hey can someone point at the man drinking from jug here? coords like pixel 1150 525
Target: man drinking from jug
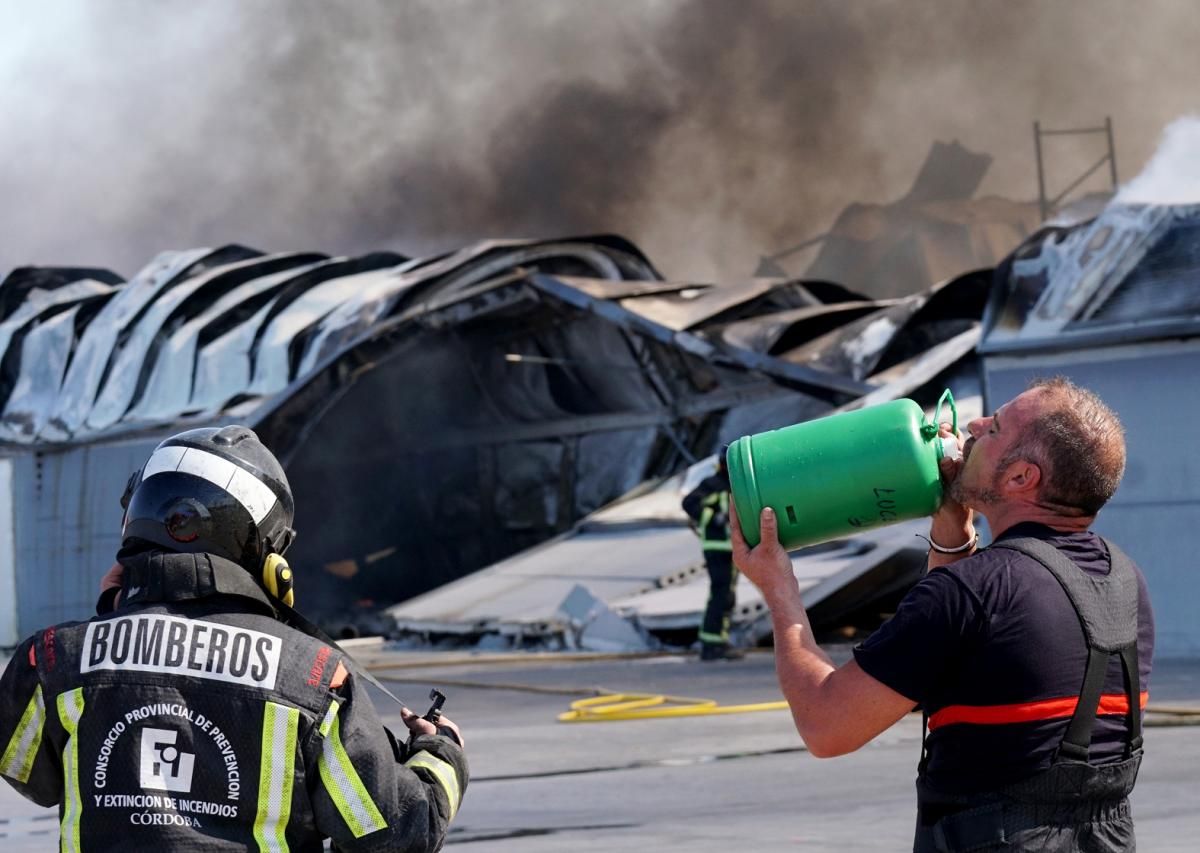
pixel 1030 658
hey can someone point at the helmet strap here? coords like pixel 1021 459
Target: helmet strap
pixel 278 579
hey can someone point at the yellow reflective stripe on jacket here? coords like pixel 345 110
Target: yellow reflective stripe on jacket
pixel 330 716
pixel 70 710
pixel 277 770
pixel 443 771
pixel 712 503
pixel 344 786
pixel 17 761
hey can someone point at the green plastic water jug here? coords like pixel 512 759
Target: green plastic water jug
pixel 841 474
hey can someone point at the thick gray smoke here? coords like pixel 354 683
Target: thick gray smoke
pixel 707 131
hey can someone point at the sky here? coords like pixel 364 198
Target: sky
pixel 708 132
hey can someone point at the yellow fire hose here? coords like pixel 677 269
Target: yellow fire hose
pixel 648 706
pixel 602 705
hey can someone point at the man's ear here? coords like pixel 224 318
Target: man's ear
pixel 1022 478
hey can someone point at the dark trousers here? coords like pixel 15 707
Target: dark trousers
pixel 722 583
pixel 1070 808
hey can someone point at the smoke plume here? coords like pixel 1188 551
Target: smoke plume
pixel 709 132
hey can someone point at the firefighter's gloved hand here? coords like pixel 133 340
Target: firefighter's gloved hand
pixel 418 725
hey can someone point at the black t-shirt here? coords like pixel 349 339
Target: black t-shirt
pixel 998 629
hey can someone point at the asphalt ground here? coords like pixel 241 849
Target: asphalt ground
pixel 696 784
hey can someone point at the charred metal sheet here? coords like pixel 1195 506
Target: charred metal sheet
pixel 21 346
pixel 282 334
pixel 604 257
pixel 131 367
pixel 907 377
pixel 232 345
pixel 898 329
pixel 168 391
pixel 44 353
pixel 94 349
pixel 687 308
pixel 856 348
pixel 784 330
pixel 196 332
pixel 813 381
pixel 303 320
pixel 622 289
pixel 1126 275
pixel 19 285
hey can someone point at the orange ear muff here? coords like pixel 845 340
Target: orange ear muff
pixel 278 579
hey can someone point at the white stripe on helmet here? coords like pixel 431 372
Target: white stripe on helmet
pixel 251 492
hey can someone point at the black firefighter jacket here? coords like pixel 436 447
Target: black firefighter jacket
pixel 191 719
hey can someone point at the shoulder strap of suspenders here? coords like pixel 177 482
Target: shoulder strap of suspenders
pixel 1107 608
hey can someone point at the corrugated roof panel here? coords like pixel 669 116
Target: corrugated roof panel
pixel 272 366
pixel 94 350
pixel 168 392
pixel 124 381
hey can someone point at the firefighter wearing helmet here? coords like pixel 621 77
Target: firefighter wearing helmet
pixel 189 714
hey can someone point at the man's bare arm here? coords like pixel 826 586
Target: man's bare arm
pixel 836 709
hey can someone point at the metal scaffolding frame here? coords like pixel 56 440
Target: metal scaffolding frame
pixel 1046 205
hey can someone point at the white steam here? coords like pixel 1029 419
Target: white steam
pixel 1173 174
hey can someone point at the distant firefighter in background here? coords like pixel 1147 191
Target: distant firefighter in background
pixel 708 507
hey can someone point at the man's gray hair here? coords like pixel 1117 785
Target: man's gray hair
pixel 1079 445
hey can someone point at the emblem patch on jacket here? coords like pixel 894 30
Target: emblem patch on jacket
pixel 163 765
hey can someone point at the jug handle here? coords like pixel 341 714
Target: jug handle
pixel 930 430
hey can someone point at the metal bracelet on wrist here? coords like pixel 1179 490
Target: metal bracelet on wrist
pixel 970 544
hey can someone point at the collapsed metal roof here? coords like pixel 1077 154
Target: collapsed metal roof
pixel 436 415
pixel 195 333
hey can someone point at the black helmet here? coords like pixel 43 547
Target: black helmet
pixel 216 491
